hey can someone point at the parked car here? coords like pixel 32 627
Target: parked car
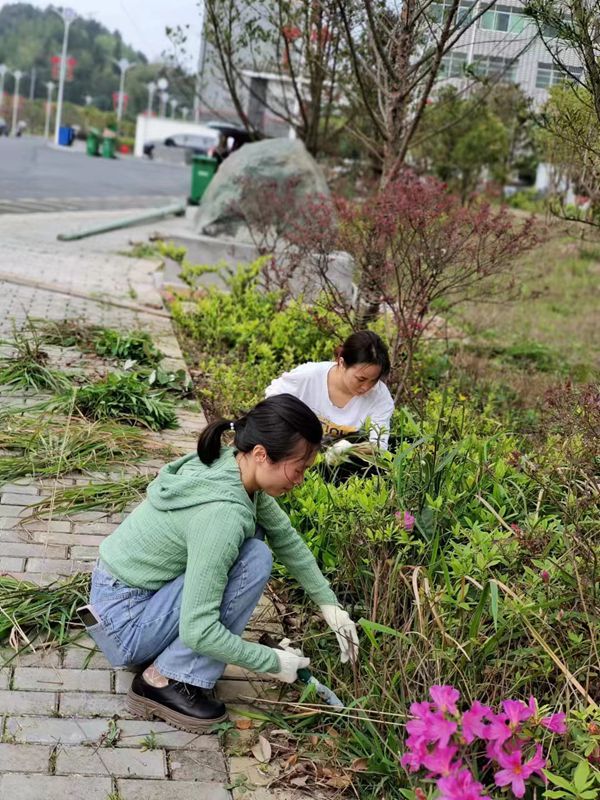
pixel 208 139
pixel 193 143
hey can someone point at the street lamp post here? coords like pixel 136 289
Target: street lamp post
pixel 17 75
pixel 50 88
pixel 3 71
pixel 173 103
pixel 123 64
pixel 151 89
pixel 162 84
pixel 164 96
pixel 68 16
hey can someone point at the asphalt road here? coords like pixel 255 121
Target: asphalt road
pixel 37 175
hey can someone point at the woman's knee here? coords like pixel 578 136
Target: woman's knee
pixel 258 558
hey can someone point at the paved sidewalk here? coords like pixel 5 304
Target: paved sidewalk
pixel 64 729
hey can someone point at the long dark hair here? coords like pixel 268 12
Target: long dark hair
pixel 365 347
pixel 277 423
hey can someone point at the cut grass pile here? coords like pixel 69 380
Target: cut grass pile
pixel 30 613
pixel 27 366
pixel 47 445
pixel 110 496
pixel 106 342
pixel 121 397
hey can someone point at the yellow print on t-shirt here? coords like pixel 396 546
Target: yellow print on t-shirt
pixel 335 431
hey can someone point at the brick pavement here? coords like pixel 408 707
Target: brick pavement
pixel 64 729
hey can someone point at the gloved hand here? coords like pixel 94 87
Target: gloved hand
pixel 290 661
pixel 335 453
pixel 345 631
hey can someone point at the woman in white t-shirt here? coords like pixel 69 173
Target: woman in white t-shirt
pixel 347 395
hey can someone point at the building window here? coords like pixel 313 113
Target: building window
pixel 507 19
pixel 551 74
pixel 440 11
pixel 495 67
pixel 453 65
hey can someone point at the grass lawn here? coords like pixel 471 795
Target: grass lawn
pixel 554 326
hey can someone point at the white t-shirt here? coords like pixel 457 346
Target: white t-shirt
pixel 308 383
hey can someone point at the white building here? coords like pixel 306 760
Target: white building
pixel 504 43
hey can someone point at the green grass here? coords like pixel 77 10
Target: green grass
pixel 558 309
pixel 27 367
pixel 122 397
pixel 106 342
pixel 48 445
pixel 31 613
pixel 110 497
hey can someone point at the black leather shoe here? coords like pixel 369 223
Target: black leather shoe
pixel 182 705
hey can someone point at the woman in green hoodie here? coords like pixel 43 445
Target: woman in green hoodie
pixel 177 582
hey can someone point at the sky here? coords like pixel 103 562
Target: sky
pixel 142 23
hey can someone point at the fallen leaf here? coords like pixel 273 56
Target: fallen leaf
pixel 314 740
pixel 290 761
pixel 340 781
pixel 243 724
pixel 262 750
pixel 299 781
pixel 360 765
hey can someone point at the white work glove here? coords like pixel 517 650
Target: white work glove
pixel 335 454
pixel 345 631
pixel 290 661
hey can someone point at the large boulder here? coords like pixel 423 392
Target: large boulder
pixel 279 160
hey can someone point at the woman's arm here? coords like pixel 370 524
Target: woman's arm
pixel 210 558
pixel 292 551
pixel 380 419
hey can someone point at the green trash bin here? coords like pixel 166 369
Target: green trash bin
pixel 203 170
pixel 109 144
pixel 92 144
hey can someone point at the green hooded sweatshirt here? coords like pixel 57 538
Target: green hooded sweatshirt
pixel 194 520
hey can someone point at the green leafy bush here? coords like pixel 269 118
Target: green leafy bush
pixel 134 346
pixel 122 397
pixel 238 340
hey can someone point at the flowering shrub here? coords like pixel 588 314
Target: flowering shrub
pixel 447 743
pixel 417 248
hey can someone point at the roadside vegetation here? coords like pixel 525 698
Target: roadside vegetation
pixel 470 552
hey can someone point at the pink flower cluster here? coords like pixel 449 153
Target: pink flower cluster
pixel 438 737
pixel 406 519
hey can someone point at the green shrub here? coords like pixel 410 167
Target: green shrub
pixel 239 339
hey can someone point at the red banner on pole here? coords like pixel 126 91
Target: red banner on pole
pixel 55 64
pixel 115 97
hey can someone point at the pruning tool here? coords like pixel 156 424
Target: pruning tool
pixel 306 677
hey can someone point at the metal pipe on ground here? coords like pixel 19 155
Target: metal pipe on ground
pixel 177 209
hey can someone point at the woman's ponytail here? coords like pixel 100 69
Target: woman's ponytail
pixel 209 442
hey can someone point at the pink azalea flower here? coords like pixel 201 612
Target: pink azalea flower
pixel 460 786
pixel 444 698
pixel 512 772
pixel 439 761
pixel 536 763
pixel 555 722
pixel 411 761
pixel 432 728
pixel 473 726
pixel 416 752
pixel 516 712
pixel 407 519
pixel 421 709
pixel 497 731
pixel 515 772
